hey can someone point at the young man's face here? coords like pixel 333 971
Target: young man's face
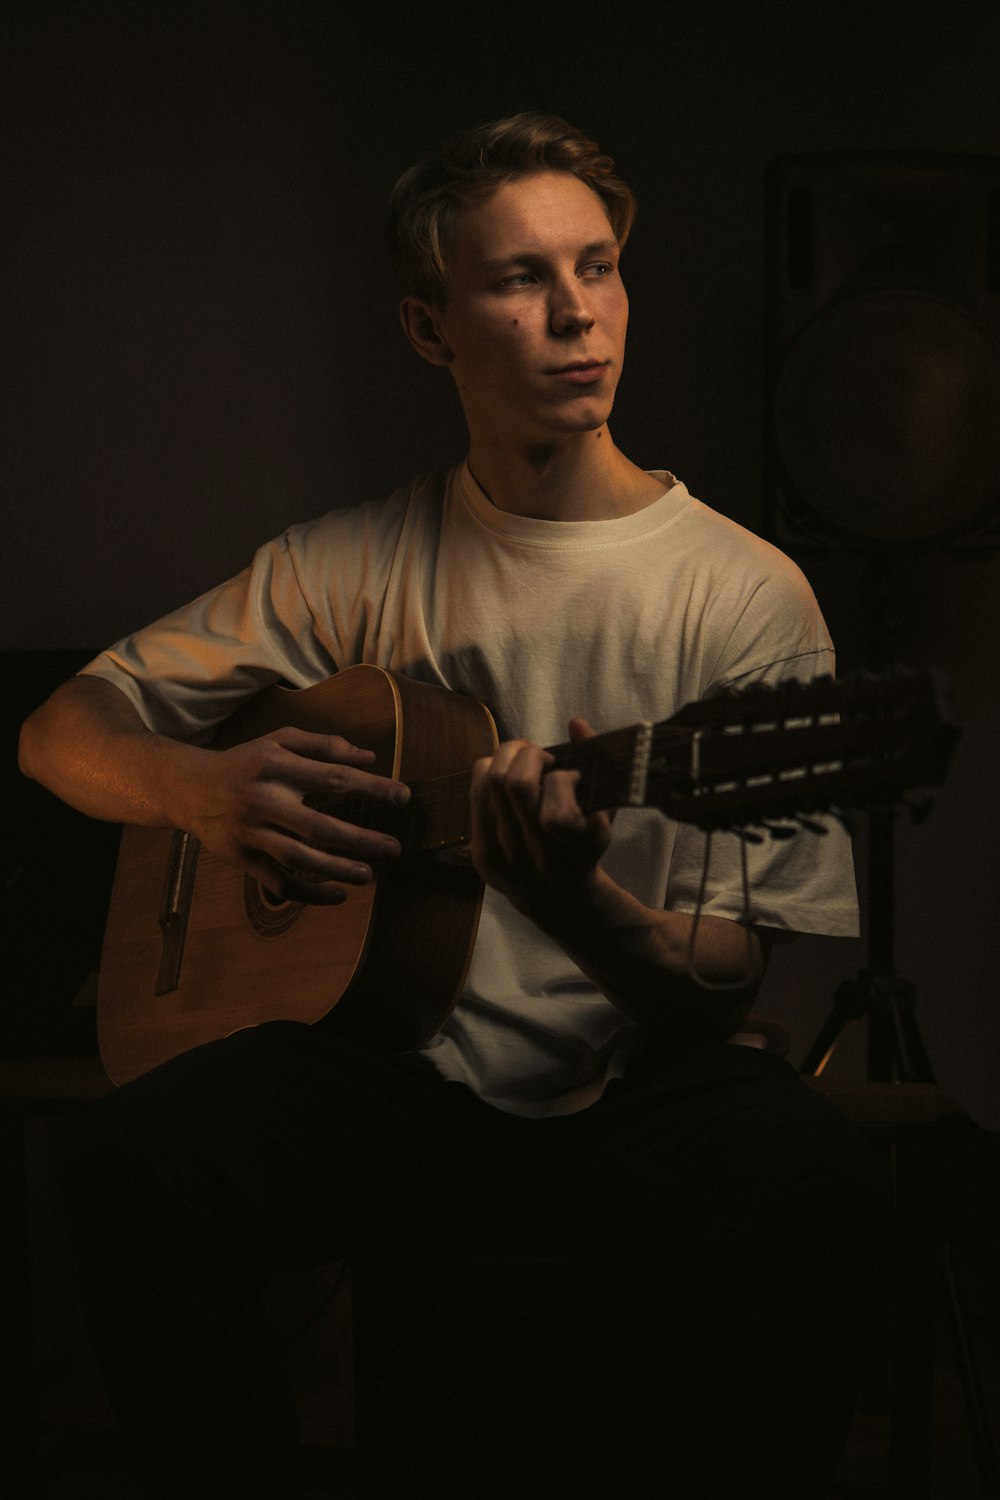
pixel 536 314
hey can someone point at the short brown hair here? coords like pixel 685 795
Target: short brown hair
pixel 428 199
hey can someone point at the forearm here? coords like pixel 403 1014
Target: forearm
pixel 252 804
pixel 88 745
pixel 684 978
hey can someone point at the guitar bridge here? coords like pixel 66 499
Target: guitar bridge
pixel 176 908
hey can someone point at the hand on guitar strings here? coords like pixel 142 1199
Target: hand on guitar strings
pixel 283 809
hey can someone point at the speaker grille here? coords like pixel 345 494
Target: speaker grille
pixel 887 416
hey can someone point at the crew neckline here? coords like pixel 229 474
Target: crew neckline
pixel 534 531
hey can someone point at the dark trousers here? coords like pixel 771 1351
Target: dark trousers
pixel 718 1230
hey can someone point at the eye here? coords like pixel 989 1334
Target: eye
pixel 518 278
pixel 598 268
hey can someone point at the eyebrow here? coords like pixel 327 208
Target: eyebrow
pixel 527 257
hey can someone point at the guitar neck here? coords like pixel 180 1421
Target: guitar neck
pixel 725 762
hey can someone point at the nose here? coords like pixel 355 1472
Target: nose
pixel 569 308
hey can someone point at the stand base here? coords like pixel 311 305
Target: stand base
pixel 896 1052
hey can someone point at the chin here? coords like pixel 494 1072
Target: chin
pixel 586 421
pixel 584 410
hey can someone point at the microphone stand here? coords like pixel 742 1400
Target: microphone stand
pixel 895 1048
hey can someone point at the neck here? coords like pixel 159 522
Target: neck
pixel 584 478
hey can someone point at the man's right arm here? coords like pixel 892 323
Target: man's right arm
pixel 89 746
pixel 246 804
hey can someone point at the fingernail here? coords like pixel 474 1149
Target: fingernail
pixel 400 795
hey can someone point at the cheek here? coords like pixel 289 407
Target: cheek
pixel 488 349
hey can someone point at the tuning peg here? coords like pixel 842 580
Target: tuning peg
pixel 810 824
pixel 741 830
pixel 780 830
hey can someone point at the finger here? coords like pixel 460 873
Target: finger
pixel 303 874
pixel 487 781
pixel 335 780
pixel 559 809
pixel 329 763
pixel 361 825
pixel 506 795
pixel 326 846
pixel 267 766
pixel 516 779
pixel 323 747
pixel 290 883
pixel 484 807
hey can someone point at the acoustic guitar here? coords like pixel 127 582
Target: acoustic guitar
pixel 194 949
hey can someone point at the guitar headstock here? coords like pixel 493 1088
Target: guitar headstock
pixel 798 748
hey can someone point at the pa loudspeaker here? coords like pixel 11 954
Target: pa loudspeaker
pixel 883 351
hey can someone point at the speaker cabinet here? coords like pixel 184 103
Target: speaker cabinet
pixel 883 351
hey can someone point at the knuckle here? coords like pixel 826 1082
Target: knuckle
pixel 268 764
pixel 337 777
pixel 522 781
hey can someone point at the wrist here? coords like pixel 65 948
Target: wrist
pixel 179 782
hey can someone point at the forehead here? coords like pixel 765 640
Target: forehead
pixel 545 214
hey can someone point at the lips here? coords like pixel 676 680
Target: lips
pixel 581 372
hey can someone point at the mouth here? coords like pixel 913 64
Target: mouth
pixel 581 371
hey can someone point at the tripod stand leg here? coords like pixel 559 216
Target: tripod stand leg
pixel 911 1061
pixel 850 1001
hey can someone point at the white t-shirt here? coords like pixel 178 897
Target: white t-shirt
pixel 620 620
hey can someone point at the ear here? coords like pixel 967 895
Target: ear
pixel 422 325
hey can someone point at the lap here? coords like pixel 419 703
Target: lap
pixel 322 1145
pixel 307 1139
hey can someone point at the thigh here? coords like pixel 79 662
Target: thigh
pixel 719 1141
pixel 732 1230
pixel 721 1209
pixel 293 1138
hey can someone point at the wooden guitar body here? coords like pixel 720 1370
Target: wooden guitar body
pixel 224 955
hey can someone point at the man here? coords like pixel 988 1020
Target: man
pixel 719 1219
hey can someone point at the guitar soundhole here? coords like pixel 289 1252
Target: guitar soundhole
pixel 269 915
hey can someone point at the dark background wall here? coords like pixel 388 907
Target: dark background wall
pixel 200 340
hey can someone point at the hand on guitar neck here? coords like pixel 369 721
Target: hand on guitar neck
pixel 531 839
